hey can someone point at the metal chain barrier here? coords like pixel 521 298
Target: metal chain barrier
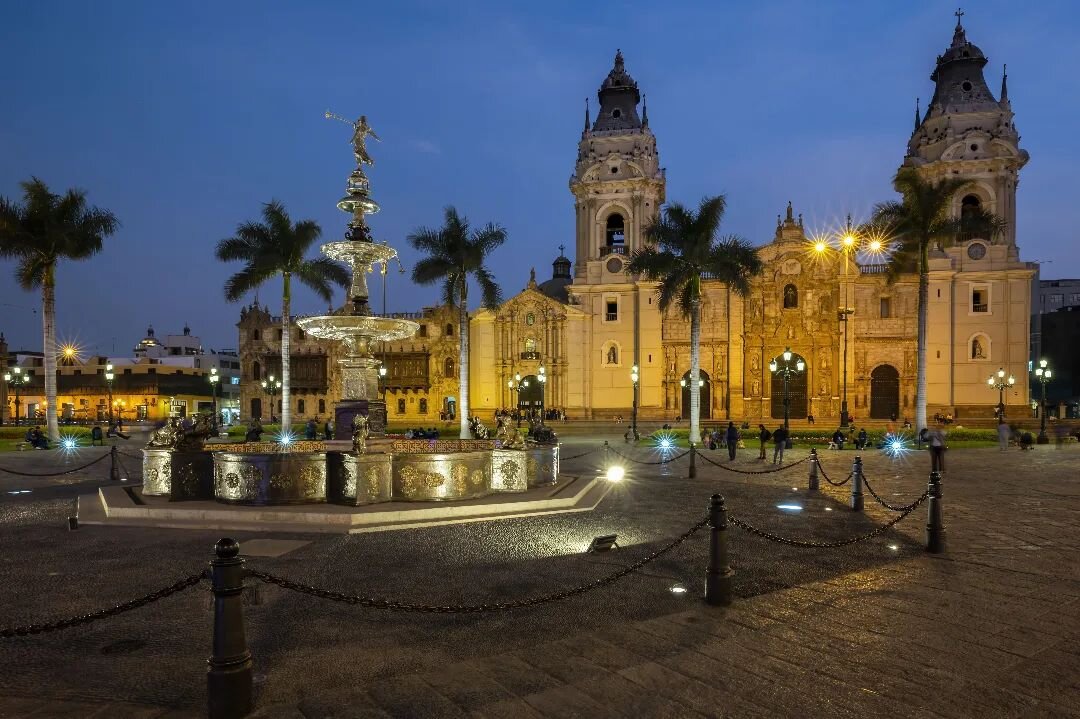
pixel 642 461
pixel 129 456
pixel 378 603
pixel 753 471
pixel 808 544
pixel 824 474
pixel 883 503
pixel 54 474
pixel 579 456
pixel 185 583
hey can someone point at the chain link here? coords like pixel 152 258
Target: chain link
pixel 826 476
pixel 882 502
pixel 380 603
pixel 808 544
pixel 642 461
pixel 185 583
pixel 753 471
pixel 579 456
pixel 129 456
pixel 54 474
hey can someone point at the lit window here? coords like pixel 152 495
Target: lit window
pixel 612 313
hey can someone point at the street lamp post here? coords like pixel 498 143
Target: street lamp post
pixel 849 244
pixel 634 377
pixel 998 382
pixel 271 386
pixel 1042 375
pixel 786 371
pixel 15 379
pixel 541 377
pixel 109 377
pixel 517 385
pixel 214 380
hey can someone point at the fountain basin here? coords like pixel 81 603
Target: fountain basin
pixel 177 475
pixel 270 478
pixel 353 328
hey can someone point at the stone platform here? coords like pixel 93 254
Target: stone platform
pixel 128 506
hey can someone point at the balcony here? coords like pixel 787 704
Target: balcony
pixel 530 355
pixel 613 250
pixel 980 308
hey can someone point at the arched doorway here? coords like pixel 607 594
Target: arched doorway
pixel 796 390
pixel 531 397
pixel 706 395
pixel 884 392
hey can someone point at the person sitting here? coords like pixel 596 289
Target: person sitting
pixel 311 430
pixel 810 418
pixel 408 434
pixel 114 431
pixel 254 431
pixel 328 430
pixel 96 436
pixel 862 439
pixel 37 438
pixel 907 423
pixel 837 439
pixel 1026 440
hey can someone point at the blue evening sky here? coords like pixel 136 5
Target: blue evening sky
pixel 183 117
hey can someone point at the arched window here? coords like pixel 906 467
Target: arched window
pixel 254 334
pixel 423 405
pixel 256 370
pixel 322 406
pixel 612 355
pixel 970 208
pixel 970 204
pixel 401 405
pixel 791 297
pixel 300 406
pixel 615 233
pixel 448 367
pixel 449 330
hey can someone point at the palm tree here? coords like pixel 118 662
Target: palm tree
pixel 45 229
pixel 453 253
pixel 276 246
pixel 922 218
pixel 684 251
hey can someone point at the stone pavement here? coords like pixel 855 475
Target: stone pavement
pixel 991 628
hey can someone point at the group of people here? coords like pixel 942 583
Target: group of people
pixel 731 437
pixel 421 433
pixel 311 429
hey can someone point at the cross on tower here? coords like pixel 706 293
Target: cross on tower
pixel 562 249
pixel 959 14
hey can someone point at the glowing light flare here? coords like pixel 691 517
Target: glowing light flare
pixel 69 443
pixel 665 442
pixel 896 446
pixel 284 439
pixel 677 589
pixel 615 473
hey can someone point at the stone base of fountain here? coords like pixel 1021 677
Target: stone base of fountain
pixel 409 471
pixel 345 410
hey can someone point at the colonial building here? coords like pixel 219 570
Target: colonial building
pixel 420 383
pixel 591 323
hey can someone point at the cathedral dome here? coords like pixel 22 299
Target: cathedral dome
pixel 958 77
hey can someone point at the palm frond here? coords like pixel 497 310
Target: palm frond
pixel 430 270
pixel 321 275
pixel 490 292
pixel 246 280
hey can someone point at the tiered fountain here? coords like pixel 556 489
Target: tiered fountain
pixel 379 469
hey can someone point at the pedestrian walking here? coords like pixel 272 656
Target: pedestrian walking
pixel 936 439
pixel 779 438
pixel 311 430
pixel 763 437
pixel 1003 435
pixel 732 438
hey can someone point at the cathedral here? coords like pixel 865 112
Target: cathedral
pixel 572 342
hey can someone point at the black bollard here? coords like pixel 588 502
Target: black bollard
pixel 719 576
pixel 693 462
pixel 935 528
pixel 114 469
pixel 607 456
pixel 228 678
pixel 813 484
pixel 856 484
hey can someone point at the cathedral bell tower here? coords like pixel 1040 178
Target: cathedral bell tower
pixel 618 183
pixel 968 134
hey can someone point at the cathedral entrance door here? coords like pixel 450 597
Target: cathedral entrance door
pixel 706 395
pixel 884 392
pixel 256 408
pixel 531 398
pixel 796 391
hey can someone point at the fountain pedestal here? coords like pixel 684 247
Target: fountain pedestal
pixel 346 409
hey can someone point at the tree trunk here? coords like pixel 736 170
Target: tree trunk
pixel 695 372
pixel 920 370
pixel 286 407
pixel 48 321
pixel 463 365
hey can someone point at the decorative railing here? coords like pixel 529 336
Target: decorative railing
pixel 613 250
